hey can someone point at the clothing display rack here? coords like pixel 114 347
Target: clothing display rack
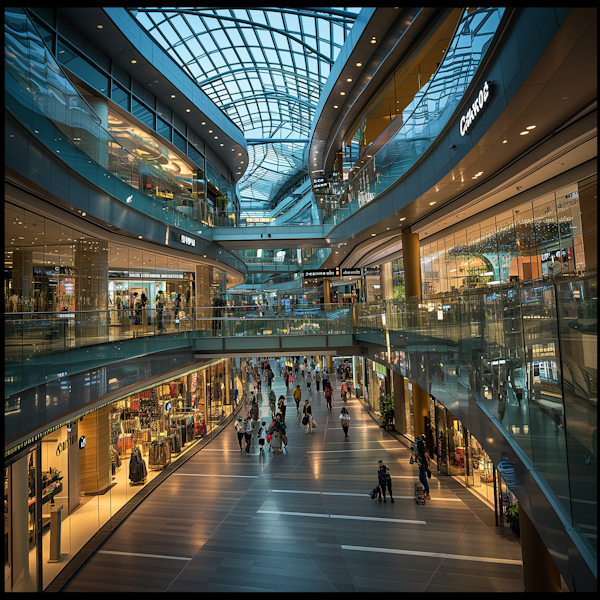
pixel 159 455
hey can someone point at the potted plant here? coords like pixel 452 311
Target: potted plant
pixel 512 516
pixel 386 408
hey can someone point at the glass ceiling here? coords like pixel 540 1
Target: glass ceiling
pixel 265 68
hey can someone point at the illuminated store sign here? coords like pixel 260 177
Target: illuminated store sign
pixel 480 101
pixel 188 241
pixel 322 273
pixel 351 272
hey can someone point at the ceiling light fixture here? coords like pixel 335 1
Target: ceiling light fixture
pixel 524 133
pixel 531 127
pixel 133 62
pixel 431 203
pixel 349 80
pixel 504 142
pixel 100 26
pixel 342 93
pixel 187 110
pixel 335 106
pixel 403 219
pixel 172 95
pixel 359 64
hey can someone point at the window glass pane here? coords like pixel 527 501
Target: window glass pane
pixel 195 156
pixel 163 128
pixel 82 68
pixel 143 114
pixel 120 96
pixel 179 141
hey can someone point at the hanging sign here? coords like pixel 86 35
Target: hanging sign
pixel 351 272
pixel 481 100
pixel 322 273
pixel 320 183
pixel 82 442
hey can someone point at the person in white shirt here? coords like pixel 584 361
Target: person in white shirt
pixel 345 420
pixel 239 427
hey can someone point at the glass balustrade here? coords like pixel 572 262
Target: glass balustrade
pixel 41 97
pixel 401 146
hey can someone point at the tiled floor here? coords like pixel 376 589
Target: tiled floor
pixel 215 525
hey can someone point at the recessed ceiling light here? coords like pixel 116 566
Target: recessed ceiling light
pixel 431 203
pixel 504 142
pixel 373 41
pixel 133 62
pixel 342 93
pixel 100 26
pixel 239 153
pixel 216 137
pixel 531 127
pixel 221 144
pixel 140 237
pixel 524 133
pixel 373 234
pixel 172 95
pixel 210 131
pixel 203 123
pixel 335 106
pixel 83 214
pixel 359 64
pixel 187 110
pixel 233 149
pixel 349 79
pixel 403 219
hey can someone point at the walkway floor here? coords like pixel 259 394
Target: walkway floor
pixel 303 521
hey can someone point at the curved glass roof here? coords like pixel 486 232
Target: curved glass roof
pixel 265 68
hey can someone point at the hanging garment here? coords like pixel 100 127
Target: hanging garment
pixel 137 467
pixel 159 453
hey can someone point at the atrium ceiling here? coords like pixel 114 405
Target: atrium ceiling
pixel 265 68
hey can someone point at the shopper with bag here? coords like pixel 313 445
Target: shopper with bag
pixel 385 480
pixel 345 420
pixel 282 405
pixel 307 418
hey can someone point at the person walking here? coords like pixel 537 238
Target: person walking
pixel 344 392
pixel 317 379
pixel 345 421
pixel 276 439
pixel 258 382
pixel 307 418
pixel 272 403
pixel 255 411
pixel 239 428
pixel 385 480
pixel 262 436
pixel 308 381
pixel 282 405
pixel 270 377
pixel 328 397
pixel 423 462
pixel 302 369
pixel 286 378
pixel 283 428
pixel 248 434
pixel 297 398
pixel 296 368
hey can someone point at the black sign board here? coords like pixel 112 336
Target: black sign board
pixel 322 273
pixel 320 183
pixel 351 272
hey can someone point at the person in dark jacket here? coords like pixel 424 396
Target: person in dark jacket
pixel 422 459
pixel 385 480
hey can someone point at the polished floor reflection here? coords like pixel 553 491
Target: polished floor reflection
pixel 303 521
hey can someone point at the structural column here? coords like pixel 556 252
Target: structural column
pixel 540 573
pixel 412 262
pixel 327 294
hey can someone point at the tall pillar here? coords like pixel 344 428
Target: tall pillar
pixel 412 262
pixel 327 294
pixel 399 403
pixel 21 577
pixel 420 408
pixel 540 573
pixel 387 281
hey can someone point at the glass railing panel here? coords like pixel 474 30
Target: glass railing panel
pixel 578 320
pixel 42 98
pixel 394 152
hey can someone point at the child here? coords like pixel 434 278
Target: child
pixel 262 435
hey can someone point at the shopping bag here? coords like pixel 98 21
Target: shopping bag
pixel 291 378
pixel 314 424
pixel 374 494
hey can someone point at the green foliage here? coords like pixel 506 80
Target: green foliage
pixel 219 301
pixel 386 408
pixel 512 514
pixel 222 202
